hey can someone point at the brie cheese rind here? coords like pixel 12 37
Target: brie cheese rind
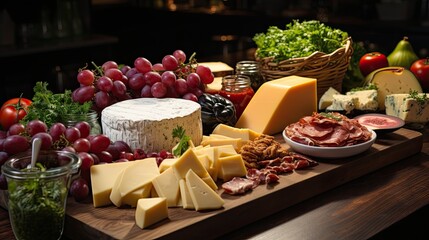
pixel 148 123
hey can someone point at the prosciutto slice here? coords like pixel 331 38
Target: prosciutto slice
pixel 238 185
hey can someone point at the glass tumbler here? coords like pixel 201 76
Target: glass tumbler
pixel 37 196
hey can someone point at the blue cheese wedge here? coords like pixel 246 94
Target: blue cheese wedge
pixel 408 109
pixel 366 100
pixel 342 103
pixel 327 98
pixel 148 123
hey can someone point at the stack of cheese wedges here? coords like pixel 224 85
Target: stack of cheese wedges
pixel 188 181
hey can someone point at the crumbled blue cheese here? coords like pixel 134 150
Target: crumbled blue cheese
pixel 148 123
pixel 406 108
pixel 367 100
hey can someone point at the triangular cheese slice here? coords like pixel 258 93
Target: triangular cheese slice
pixel 202 195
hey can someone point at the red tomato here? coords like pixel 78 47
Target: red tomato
pixel 372 61
pixel 12 111
pixel 420 68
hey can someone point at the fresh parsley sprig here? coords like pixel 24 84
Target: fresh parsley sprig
pixel 420 98
pixel 183 144
pixel 49 107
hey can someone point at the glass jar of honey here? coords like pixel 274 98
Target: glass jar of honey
pixel 237 88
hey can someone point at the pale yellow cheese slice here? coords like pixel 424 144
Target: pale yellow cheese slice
pixel 278 103
pixel 136 176
pixel 115 194
pixel 188 160
pixel 226 130
pixel 132 198
pixel 210 182
pixel 167 185
pixel 103 177
pixel 185 196
pixel 205 160
pixel 237 143
pixel 202 195
pixel 166 163
pixel 150 211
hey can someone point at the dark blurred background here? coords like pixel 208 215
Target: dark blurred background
pixel 50 40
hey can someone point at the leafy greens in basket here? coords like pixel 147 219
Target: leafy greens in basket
pixel 299 39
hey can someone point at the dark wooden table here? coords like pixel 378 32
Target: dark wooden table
pixel 378 205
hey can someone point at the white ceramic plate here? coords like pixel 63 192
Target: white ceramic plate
pixel 330 152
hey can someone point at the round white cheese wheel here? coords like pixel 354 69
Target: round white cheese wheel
pixel 148 123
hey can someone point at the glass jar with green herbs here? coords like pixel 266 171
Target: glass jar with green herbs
pixel 37 196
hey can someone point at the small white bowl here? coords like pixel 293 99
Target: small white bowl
pixel 331 152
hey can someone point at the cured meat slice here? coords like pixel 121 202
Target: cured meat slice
pixel 315 131
pixel 238 185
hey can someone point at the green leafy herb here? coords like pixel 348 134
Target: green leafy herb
pixel 331 116
pixel 183 144
pixel 420 98
pixel 368 87
pixel 299 39
pixel 49 107
pixel 37 207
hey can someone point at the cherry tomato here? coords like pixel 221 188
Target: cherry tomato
pixel 420 68
pixel 372 61
pixel 12 111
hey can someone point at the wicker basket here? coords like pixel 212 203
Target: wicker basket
pixel 328 69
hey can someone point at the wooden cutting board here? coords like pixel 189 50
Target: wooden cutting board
pixel 86 222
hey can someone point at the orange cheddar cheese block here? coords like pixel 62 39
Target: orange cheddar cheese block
pixel 278 103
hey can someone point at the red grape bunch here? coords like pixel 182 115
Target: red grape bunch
pixel 172 77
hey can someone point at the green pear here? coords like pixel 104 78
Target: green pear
pixel 403 55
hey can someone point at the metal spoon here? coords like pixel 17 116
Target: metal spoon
pixel 37 142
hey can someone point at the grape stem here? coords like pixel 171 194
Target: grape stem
pixel 98 68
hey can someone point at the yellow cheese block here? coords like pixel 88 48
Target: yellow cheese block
pixel 103 178
pixel 150 211
pixel 136 176
pixel 220 151
pixel 231 166
pixel 167 185
pixel 278 103
pixel 202 195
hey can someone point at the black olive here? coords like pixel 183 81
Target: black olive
pixel 216 109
